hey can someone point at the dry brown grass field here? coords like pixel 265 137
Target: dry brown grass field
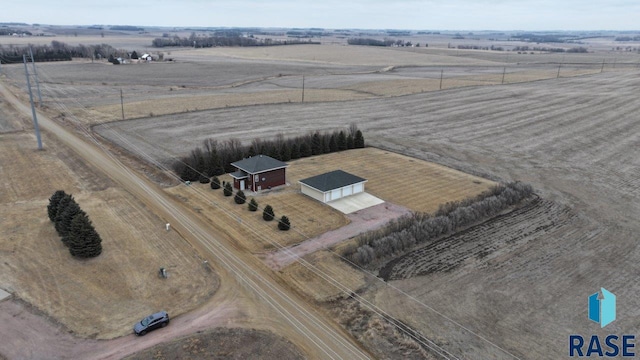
pixel 95 298
pixel 516 285
pixel 416 184
pixel 308 217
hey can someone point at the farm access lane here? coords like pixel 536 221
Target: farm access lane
pixel 291 316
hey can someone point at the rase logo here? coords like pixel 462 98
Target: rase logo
pixel 602 310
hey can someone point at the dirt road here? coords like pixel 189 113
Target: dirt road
pixel 289 315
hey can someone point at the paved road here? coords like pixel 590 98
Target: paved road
pixel 294 318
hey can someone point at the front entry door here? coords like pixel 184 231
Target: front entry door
pixel 242 185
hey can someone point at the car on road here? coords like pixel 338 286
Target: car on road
pixel 151 322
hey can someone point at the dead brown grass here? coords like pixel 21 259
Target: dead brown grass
pixel 100 297
pixel 178 104
pixel 336 54
pixel 305 279
pixel 308 217
pixel 416 184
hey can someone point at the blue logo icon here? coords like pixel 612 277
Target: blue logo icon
pixel 602 309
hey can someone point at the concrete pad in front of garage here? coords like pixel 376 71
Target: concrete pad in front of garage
pixel 356 202
pixel 4 294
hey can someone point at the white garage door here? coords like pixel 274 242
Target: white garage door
pixel 358 188
pixel 335 194
pixel 346 191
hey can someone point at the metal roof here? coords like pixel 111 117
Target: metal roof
pixel 238 175
pixel 259 163
pixel 332 180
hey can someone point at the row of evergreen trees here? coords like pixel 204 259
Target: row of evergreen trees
pixel 215 158
pixel 73 226
pixel 240 198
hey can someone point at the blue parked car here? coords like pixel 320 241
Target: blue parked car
pixel 151 322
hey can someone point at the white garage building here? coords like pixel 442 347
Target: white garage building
pixel 331 186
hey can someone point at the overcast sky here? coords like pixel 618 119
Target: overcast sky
pixel 364 14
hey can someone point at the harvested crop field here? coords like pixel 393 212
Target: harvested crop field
pixel 487 244
pixel 573 139
pixel 517 288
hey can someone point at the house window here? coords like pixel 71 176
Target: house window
pixel 263 179
pixel 256 178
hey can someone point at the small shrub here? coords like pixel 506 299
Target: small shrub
pixel 228 190
pixel 284 223
pixel 204 180
pixel 268 214
pixel 253 205
pixel 240 197
pixel 215 183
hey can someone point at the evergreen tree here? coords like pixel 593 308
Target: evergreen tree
pixel 285 152
pixel 84 241
pixel 52 208
pixel 295 151
pixel 215 183
pixel 284 223
pixel 134 55
pixel 253 205
pixel 333 143
pixel 274 152
pixel 326 148
pixel 316 144
pixel 342 141
pixel 252 151
pixel 350 143
pixel 64 225
pixel 268 214
pixel 305 150
pixel 240 197
pixel 214 164
pixel 228 190
pixel 358 140
pixel 62 205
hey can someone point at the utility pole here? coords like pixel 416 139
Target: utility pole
pixel 33 109
pixel 441 75
pixel 122 104
pixel 504 70
pixel 303 88
pixel 559 66
pixel 602 68
pixel 35 72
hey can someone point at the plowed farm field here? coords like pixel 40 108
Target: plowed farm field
pixel 511 289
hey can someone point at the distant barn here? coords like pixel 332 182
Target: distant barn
pixel 259 172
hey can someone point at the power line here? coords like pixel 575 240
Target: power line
pixel 310 266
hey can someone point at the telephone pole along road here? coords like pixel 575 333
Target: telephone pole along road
pixel 315 335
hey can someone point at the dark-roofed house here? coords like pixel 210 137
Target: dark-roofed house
pixel 332 185
pixel 259 172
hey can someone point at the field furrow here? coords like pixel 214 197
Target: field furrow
pixel 478 245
